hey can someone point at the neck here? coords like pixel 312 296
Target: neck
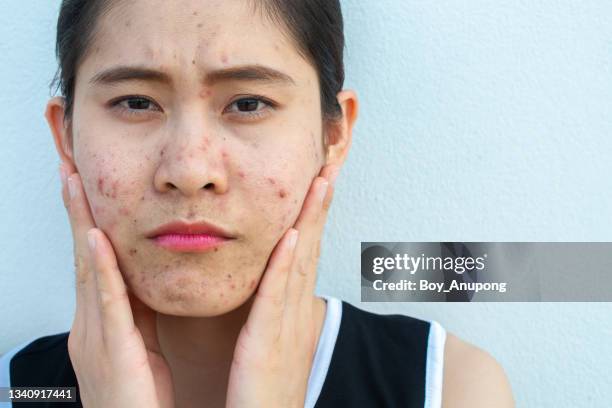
pixel 199 351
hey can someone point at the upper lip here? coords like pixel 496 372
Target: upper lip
pixel 181 227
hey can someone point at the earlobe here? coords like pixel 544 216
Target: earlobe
pixel 341 132
pixel 60 129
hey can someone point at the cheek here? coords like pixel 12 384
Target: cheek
pixel 109 194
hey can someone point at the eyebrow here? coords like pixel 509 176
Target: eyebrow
pixel 124 73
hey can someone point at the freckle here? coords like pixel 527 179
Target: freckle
pixel 271 180
pixel 200 25
pixel 282 193
pixel 133 251
pixel 142 198
pixel 195 13
pixel 295 201
pixel 216 249
pixel 193 62
pixel 128 23
pixel 221 294
pixel 162 152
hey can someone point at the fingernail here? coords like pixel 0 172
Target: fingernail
pixel 91 240
pixel 332 176
pixel 71 187
pixel 293 234
pixel 323 190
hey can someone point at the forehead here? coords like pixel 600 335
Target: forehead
pixel 180 34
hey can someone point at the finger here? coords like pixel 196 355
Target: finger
pixel 266 312
pixel 80 222
pixel 115 312
pixel 303 278
pixel 307 224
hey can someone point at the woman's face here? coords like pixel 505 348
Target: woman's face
pixel 146 148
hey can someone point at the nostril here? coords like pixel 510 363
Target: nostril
pixel 209 186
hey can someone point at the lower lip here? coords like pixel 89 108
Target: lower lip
pixel 189 242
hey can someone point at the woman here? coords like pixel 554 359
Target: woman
pixel 200 142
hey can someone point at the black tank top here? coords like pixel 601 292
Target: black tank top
pixel 363 359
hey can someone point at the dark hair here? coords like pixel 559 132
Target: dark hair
pixel 316 27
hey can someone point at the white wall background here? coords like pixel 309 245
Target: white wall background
pixel 480 121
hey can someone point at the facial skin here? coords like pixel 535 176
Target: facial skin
pixel 186 150
pixel 151 152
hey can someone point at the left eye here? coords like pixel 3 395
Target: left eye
pixel 249 106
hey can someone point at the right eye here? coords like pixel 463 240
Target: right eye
pixel 135 105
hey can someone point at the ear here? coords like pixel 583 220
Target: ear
pixel 61 131
pixel 340 132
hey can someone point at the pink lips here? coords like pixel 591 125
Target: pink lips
pixel 185 237
pixel 189 242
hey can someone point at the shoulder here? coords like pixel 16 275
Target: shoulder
pixel 43 360
pixel 472 377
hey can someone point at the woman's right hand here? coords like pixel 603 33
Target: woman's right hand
pixel 113 343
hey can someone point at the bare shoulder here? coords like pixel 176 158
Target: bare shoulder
pixel 473 378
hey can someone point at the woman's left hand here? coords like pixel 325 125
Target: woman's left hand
pixel 275 348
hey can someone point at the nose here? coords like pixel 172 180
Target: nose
pixel 190 161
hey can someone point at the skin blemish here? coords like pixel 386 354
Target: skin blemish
pixel 229 276
pixel 195 13
pixel 205 93
pixel 133 251
pixel 233 286
pixel 193 62
pixel 162 152
pixel 224 58
pixel 101 185
pixel 282 193
pixel 200 25
pixel 124 211
pixel 252 284
pixel 216 249
pixel 179 157
pixel 271 180
pixel 241 174
pixel 224 154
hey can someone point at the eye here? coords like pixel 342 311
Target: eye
pixel 135 105
pixel 250 107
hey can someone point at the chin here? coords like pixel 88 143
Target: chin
pixel 189 299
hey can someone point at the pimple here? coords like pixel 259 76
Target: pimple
pixel 224 58
pixel 101 185
pixel 124 211
pixel 233 286
pixel 205 93
pixel 224 154
pixel 241 174
pixel 282 193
